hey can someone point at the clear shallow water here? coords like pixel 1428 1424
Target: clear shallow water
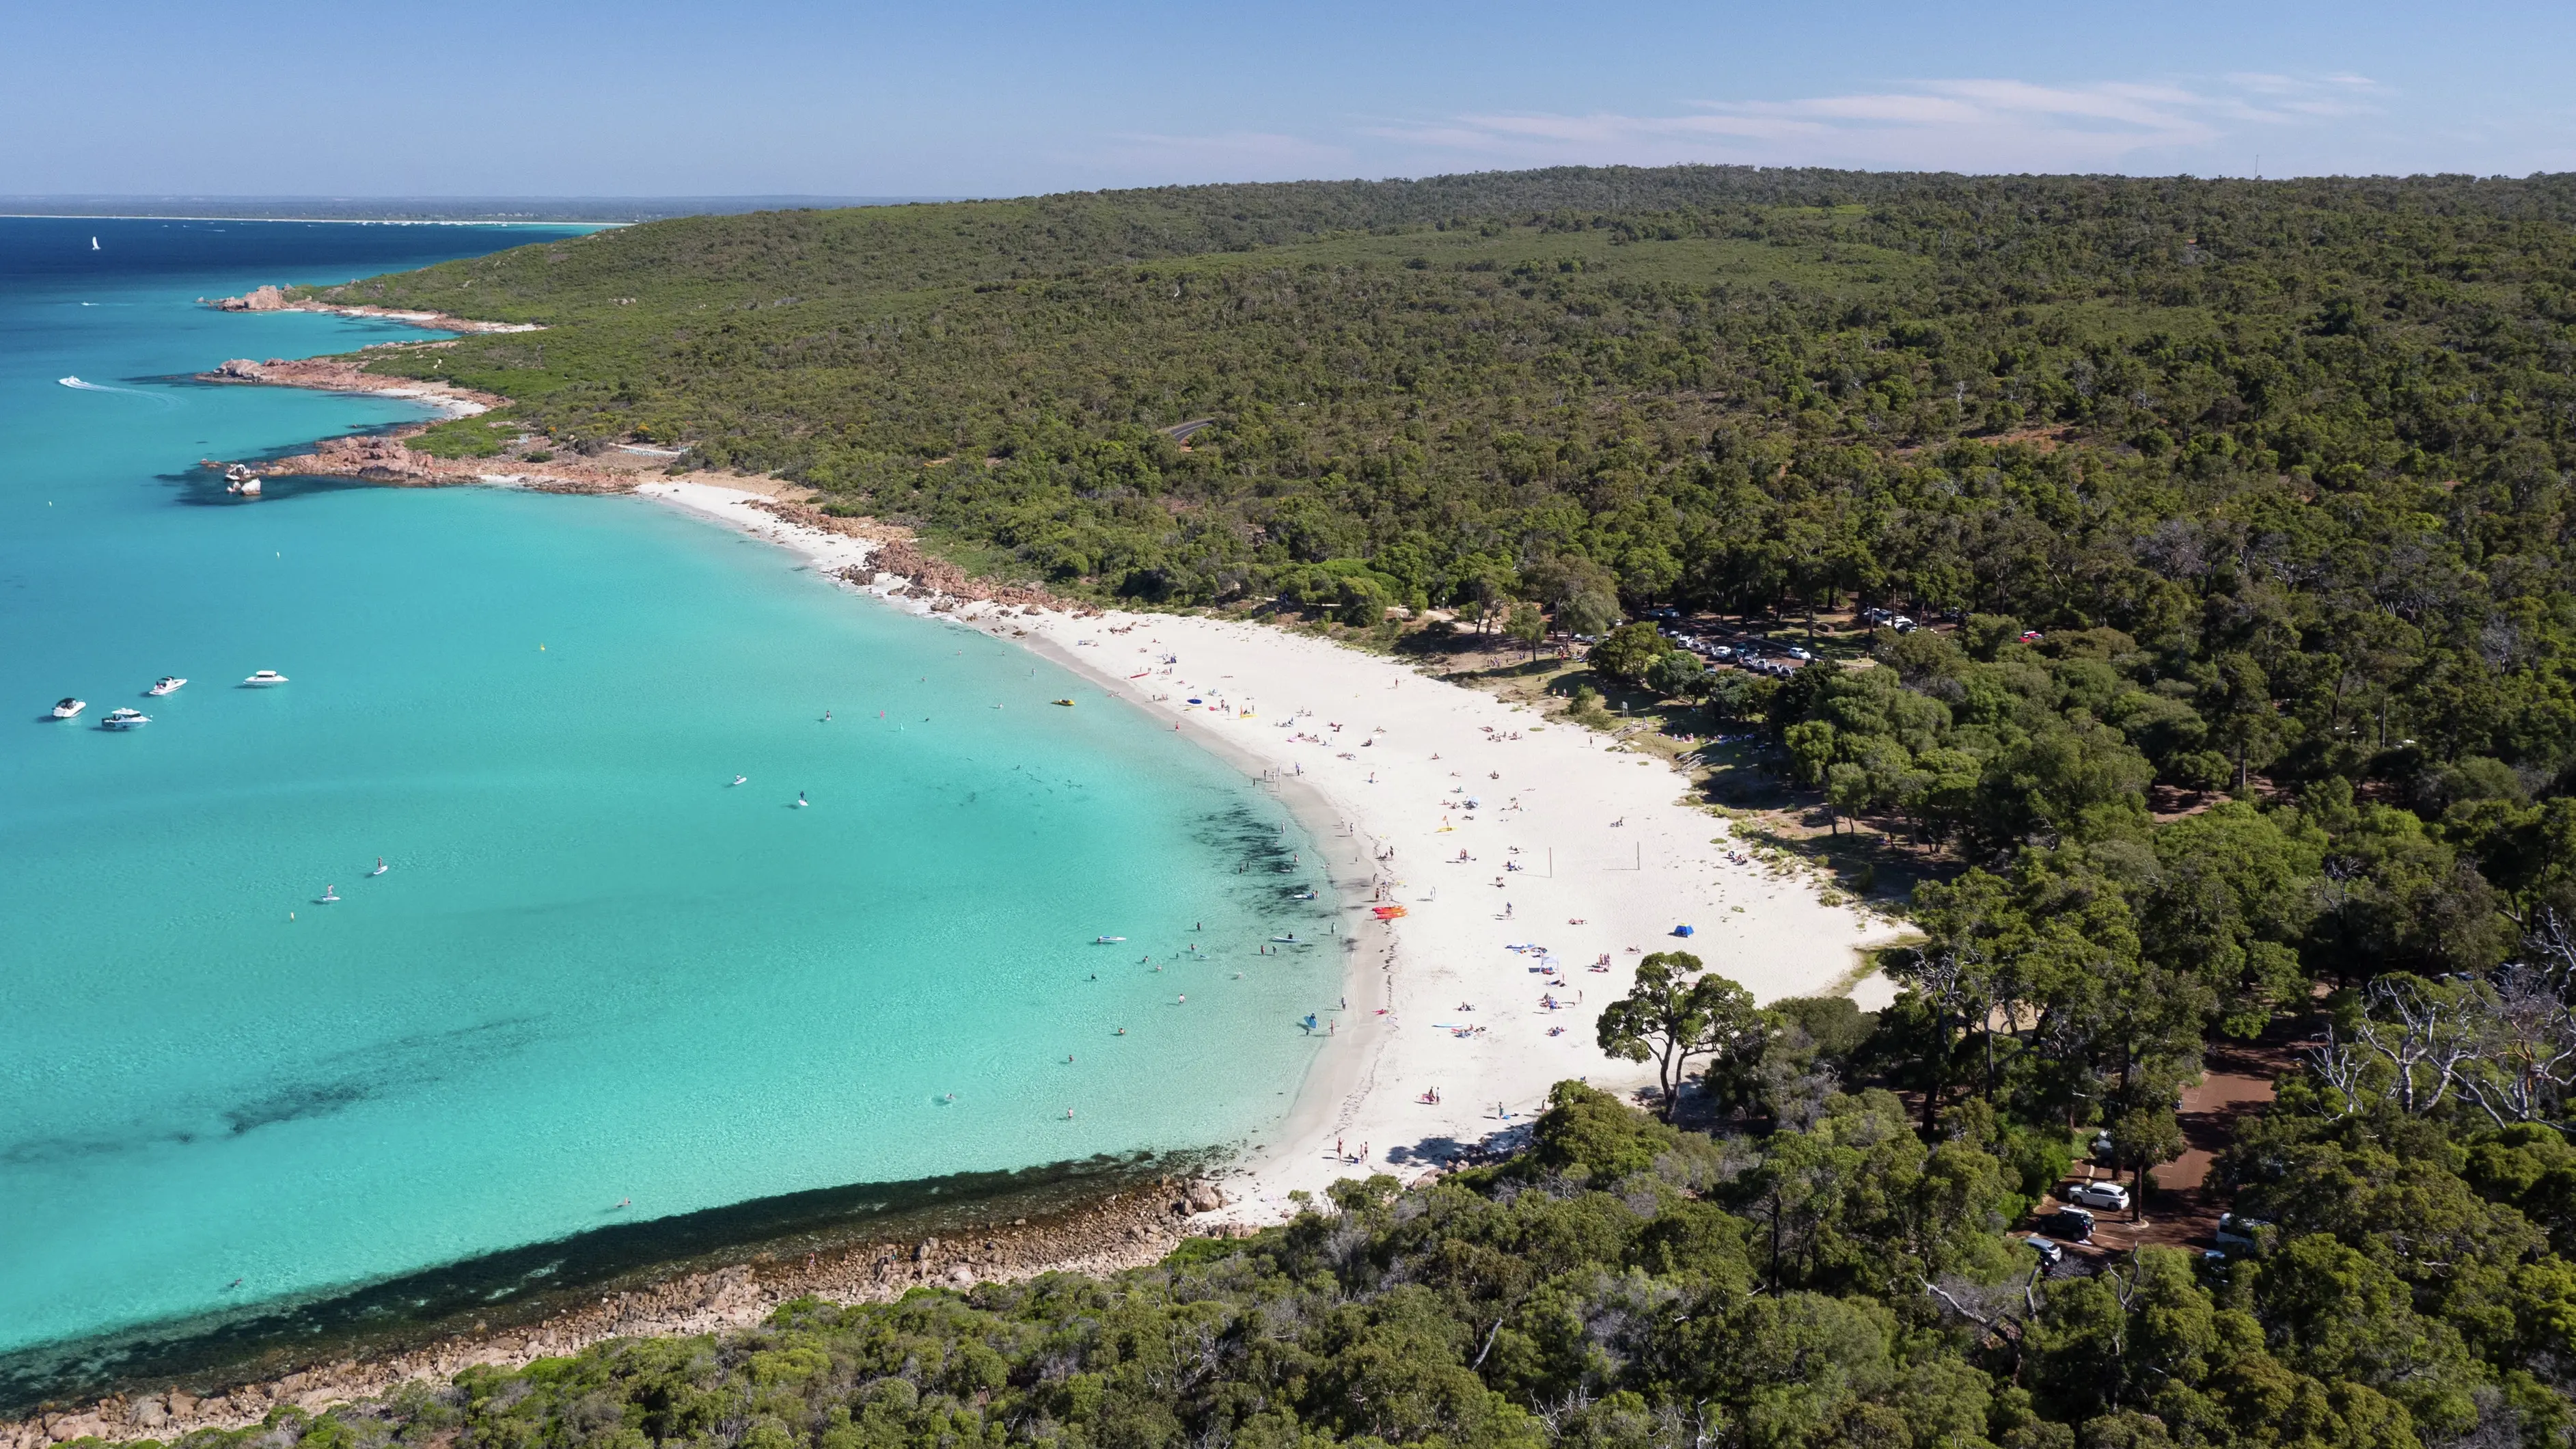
pixel 595 971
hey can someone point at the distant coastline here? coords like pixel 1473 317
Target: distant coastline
pixel 427 210
pixel 314 220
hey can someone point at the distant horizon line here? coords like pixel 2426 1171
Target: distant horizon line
pixel 420 209
pixel 327 220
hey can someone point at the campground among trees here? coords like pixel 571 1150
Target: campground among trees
pixel 2253 493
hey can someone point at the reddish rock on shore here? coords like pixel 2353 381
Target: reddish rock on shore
pixel 259 299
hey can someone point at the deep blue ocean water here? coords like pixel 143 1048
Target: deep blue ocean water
pixel 595 972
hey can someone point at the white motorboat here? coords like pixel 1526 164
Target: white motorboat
pixel 67 706
pixel 264 678
pixel 166 684
pixel 124 719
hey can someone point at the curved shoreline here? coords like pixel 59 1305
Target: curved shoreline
pixel 1616 861
pixel 1489 1070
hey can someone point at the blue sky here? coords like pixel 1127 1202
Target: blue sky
pixel 284 97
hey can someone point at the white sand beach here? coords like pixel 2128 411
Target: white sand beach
pixel 1534 864
pixel 1573 851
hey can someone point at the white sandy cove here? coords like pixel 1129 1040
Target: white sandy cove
pixel 1571 846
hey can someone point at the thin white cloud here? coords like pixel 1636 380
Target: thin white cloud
pixel 1962 125
pixel 1227 155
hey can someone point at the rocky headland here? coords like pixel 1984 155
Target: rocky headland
pixel 277 299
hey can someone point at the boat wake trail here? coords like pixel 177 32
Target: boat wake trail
pixel 154 397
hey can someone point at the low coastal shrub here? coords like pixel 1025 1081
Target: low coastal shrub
pixel 475 437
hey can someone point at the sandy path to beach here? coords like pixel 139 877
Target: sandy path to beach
pixel 1522 854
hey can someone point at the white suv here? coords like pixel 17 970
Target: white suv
pixel 2100 1195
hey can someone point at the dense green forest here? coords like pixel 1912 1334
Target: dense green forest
pixel 2253 496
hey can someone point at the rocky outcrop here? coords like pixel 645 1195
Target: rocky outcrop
pixel 240 369
pixel 270 299
pixel 898 556
pixel 257 299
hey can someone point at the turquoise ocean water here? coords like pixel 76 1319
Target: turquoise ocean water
pixel 595 972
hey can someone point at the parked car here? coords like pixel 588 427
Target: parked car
pixel 1801 655
pixel 2030 636
pixel 2241 1234
pixel 1876 616
pixel 2049 1252
pixel 1903 625
pixel 2101 1147
pixel 2108 1195
pixel 2073 1224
